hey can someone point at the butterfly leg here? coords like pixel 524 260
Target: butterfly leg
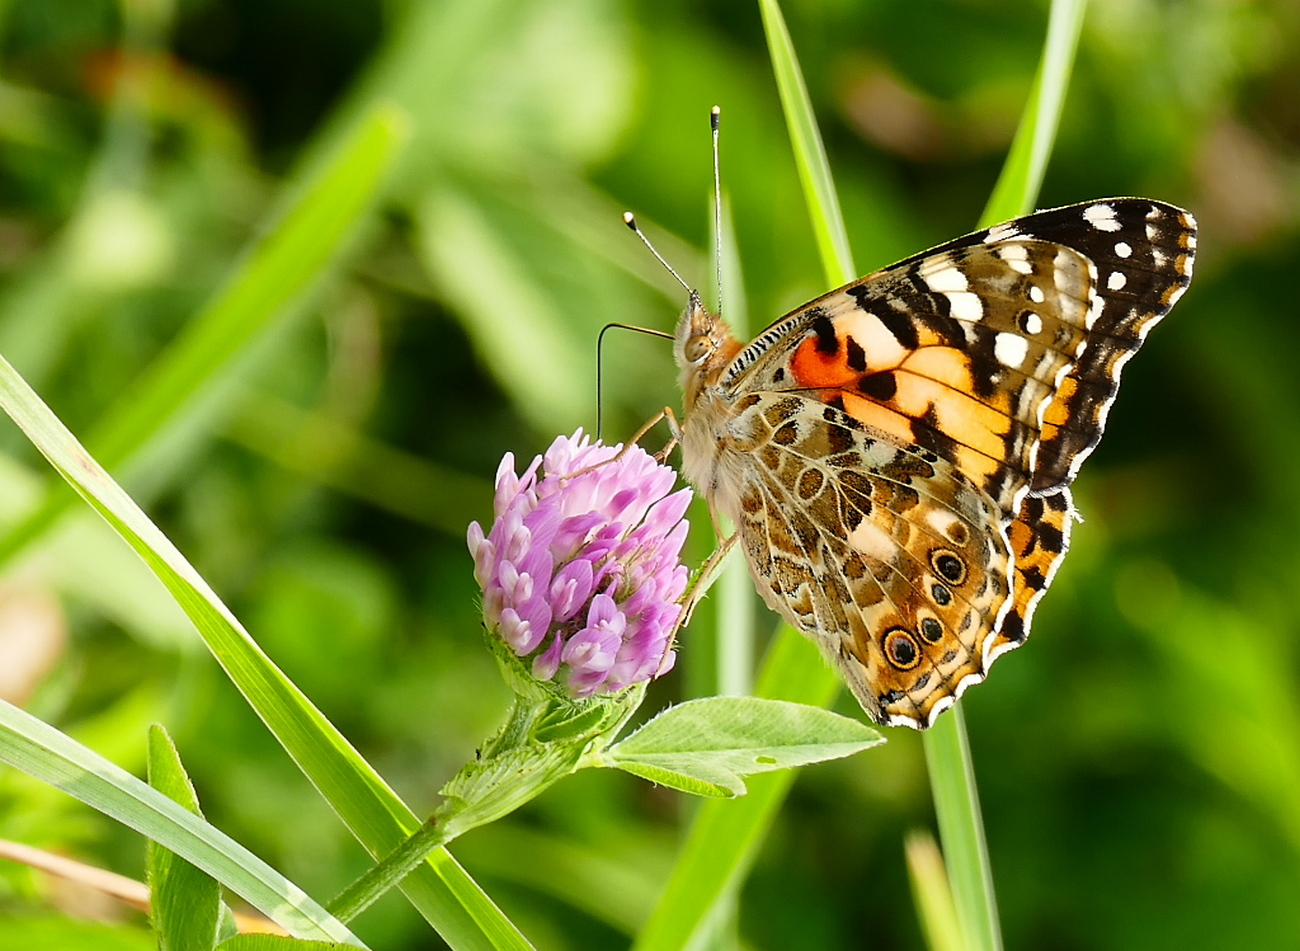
pixel 665 414
pixel 674 427
pixel 705 577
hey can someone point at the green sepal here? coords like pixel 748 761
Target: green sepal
pixel 567 722
pixel 547 736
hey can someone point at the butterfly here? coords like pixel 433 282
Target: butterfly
pixel 896 455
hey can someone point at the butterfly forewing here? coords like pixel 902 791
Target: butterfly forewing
pixel 1143 253
pixel 959 389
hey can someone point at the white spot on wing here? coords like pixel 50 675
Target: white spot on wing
pixel 966 306
pixel 877 455
pixel 898 719
pixel 940 705
pixel 1102 217
pixel 1036 294
pixel 1094 301
pixel 1116 281
pixel 1033 323
pixel 874 337
pixel 1122 249
pixel 945 280
pixel 1095 304
pixel 1016 257
pixel 1002 232
pixel 942 521
pixel 1010 349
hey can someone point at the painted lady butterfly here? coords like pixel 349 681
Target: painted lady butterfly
pixel 897 454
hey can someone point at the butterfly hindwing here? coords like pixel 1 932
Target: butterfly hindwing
pixel 878 552
pixel 1040 537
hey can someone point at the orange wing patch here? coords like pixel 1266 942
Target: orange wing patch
pixel 1040 537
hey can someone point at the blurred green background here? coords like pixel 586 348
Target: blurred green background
pixel 1139 762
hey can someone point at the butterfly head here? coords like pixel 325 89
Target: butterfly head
pixel 703 345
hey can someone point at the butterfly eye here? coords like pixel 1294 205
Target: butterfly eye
pixel 697 348
pixel 901 649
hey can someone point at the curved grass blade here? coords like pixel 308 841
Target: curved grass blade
pixel 810 155
pixel 40 750
pixel 441 890
pixel 961 829
pixel 932 894
pixel 1022 173
pixel 265 942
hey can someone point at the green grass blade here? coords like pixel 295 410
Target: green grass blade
pixel 947 750
pixel 722 840
pixel 809 153
pixel 1022 174
pixel 319 216
pixel 721 843
pixel 734 595
pixel 932 894
pixel 440 890
pixel 961 829
pixel 270 942
pixel 40 750
pixel 724 836
pixel 184 901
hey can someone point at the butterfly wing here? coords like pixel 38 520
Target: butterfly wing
pixel 1142 254
pixel 878 552
pixel 1001 350
pixel 984 370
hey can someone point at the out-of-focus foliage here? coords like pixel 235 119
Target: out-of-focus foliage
pixel 1139 761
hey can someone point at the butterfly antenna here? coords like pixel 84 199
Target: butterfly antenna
pixel 714 116
pixel 600 366
pixel 629 219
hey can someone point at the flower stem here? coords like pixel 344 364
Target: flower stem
pixel 545 738
pixel 394 867
pixel 957 806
